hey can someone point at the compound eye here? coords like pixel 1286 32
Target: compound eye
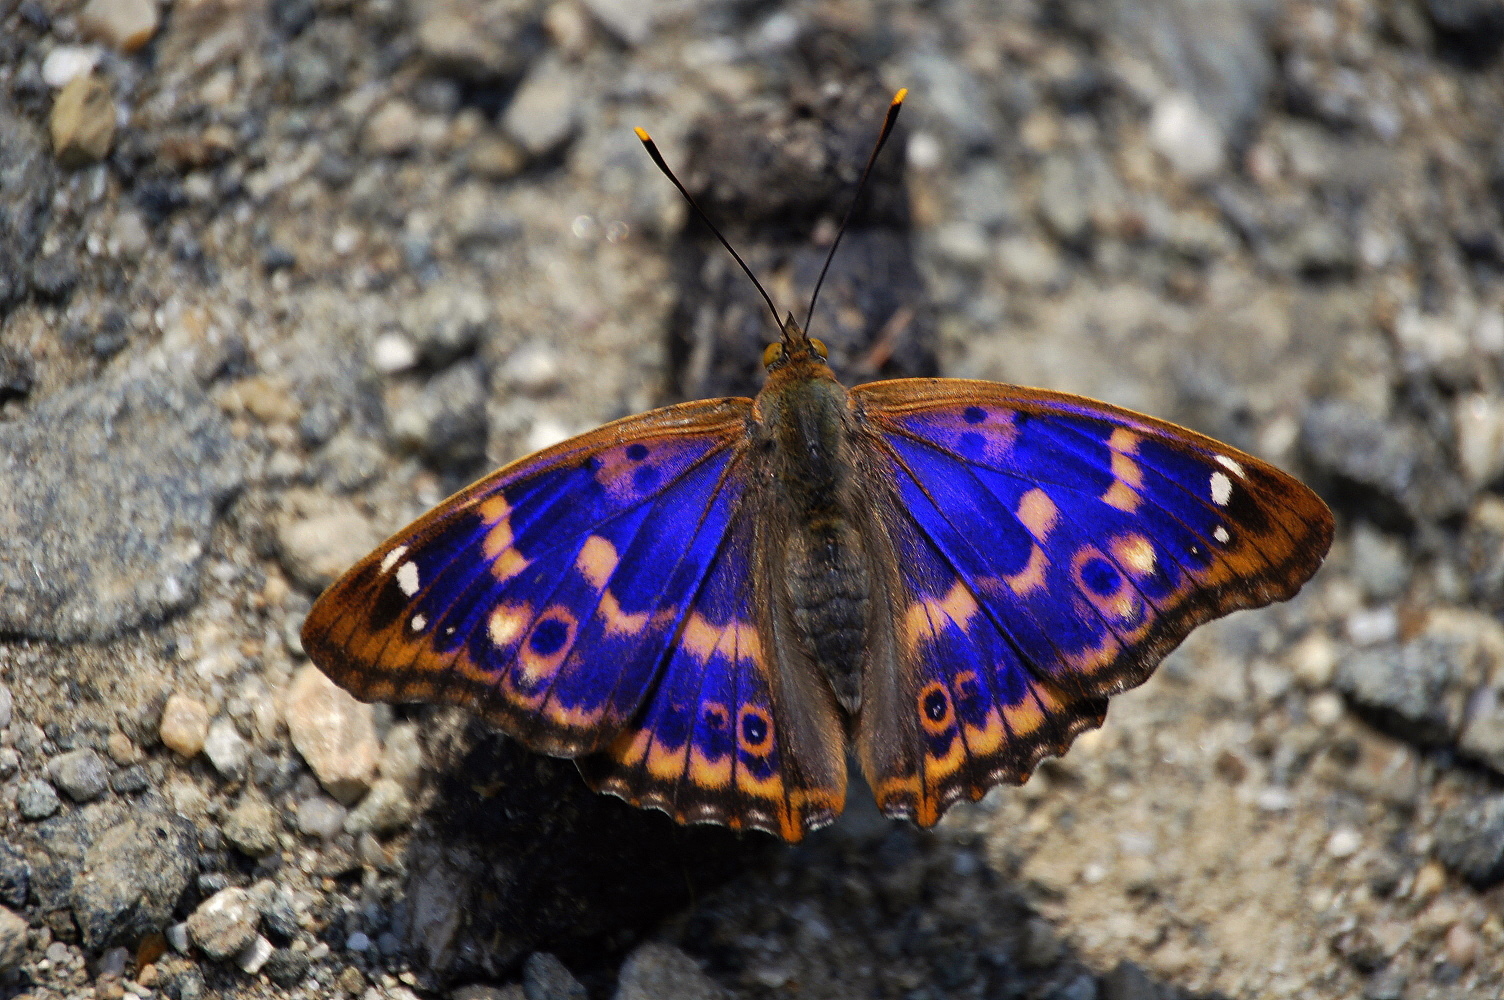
pixel 771 354
pixel 819 346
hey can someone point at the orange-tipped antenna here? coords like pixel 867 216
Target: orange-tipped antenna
pixel 861 186
pixel 647 141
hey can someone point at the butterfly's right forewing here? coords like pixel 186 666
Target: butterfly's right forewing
pixel 547 596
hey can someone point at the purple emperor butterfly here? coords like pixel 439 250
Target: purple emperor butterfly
pixel 709 604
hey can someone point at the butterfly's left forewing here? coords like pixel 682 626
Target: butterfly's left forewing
pixel 1050 551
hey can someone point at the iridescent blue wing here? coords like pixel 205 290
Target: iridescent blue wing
pixel 594 597
pixel 1050 550
pixel 740 731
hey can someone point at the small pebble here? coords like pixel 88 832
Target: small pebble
pixel 1430 880
pixel 402 755
pixel 177 936
pixel 185 725
pixel 320 816
pixel 67 63
pixel 1274 799
pixel 394 129
pixel 1470 839
pixel 121 750
pixel 1479 419
pixel 79 773
pixel 1082 987
pixel 317 548
pixel 12 939
pixel 1386 985
pixel 351 981
pixel 1461 945
pixel 125 24
pixel 1344 842
pixel 1313 660
pixel 83 122
pixel 254 955
pixel 129 236
pixel 286 967
pixel 335 734
pixel 252 826
pixel 10 761
pixel 358 941
pixel 130 780
pixel 1040 946
pixel 533 367
pixel 392 353
pixel 631 21
pixel 386 808
pixel 37 800
pixel 1187 137
pixel 224 924
pixel 447 321
pixel 226 749
pixel 544 111
pixel 1372 626
pixel 495 158
pixel 111 964
pixel 6 703
pixel 1325 708
pixel 1380 563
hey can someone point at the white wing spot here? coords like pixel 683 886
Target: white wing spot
pixel 1220 534
pixel 1221 489
pixel 391 558
pixel 1231 466
pixel 407 573
pixel 419 623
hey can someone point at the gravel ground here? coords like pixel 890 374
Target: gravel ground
pixel 276 275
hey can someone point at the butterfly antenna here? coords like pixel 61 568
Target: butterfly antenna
pixel 861 186
pixel 652 147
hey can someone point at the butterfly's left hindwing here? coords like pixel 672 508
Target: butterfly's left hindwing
pixel 546 596
pixel 1050 551
pixel 732 734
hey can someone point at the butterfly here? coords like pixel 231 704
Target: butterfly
pixel 711 604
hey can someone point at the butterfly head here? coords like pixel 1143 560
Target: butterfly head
pixel 796 347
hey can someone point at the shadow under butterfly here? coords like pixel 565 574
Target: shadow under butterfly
pixel 710 605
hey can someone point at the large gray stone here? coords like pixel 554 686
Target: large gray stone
pixel 80 773
pixel 1394 458
pixel 1218 51
pixel 111 490
pixel 662 972
pixel 26 180
pixel 224 924
pixel 132 878
pixel 1470 841
pixel 544 977
pixel 15 876
pixel 1411 689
